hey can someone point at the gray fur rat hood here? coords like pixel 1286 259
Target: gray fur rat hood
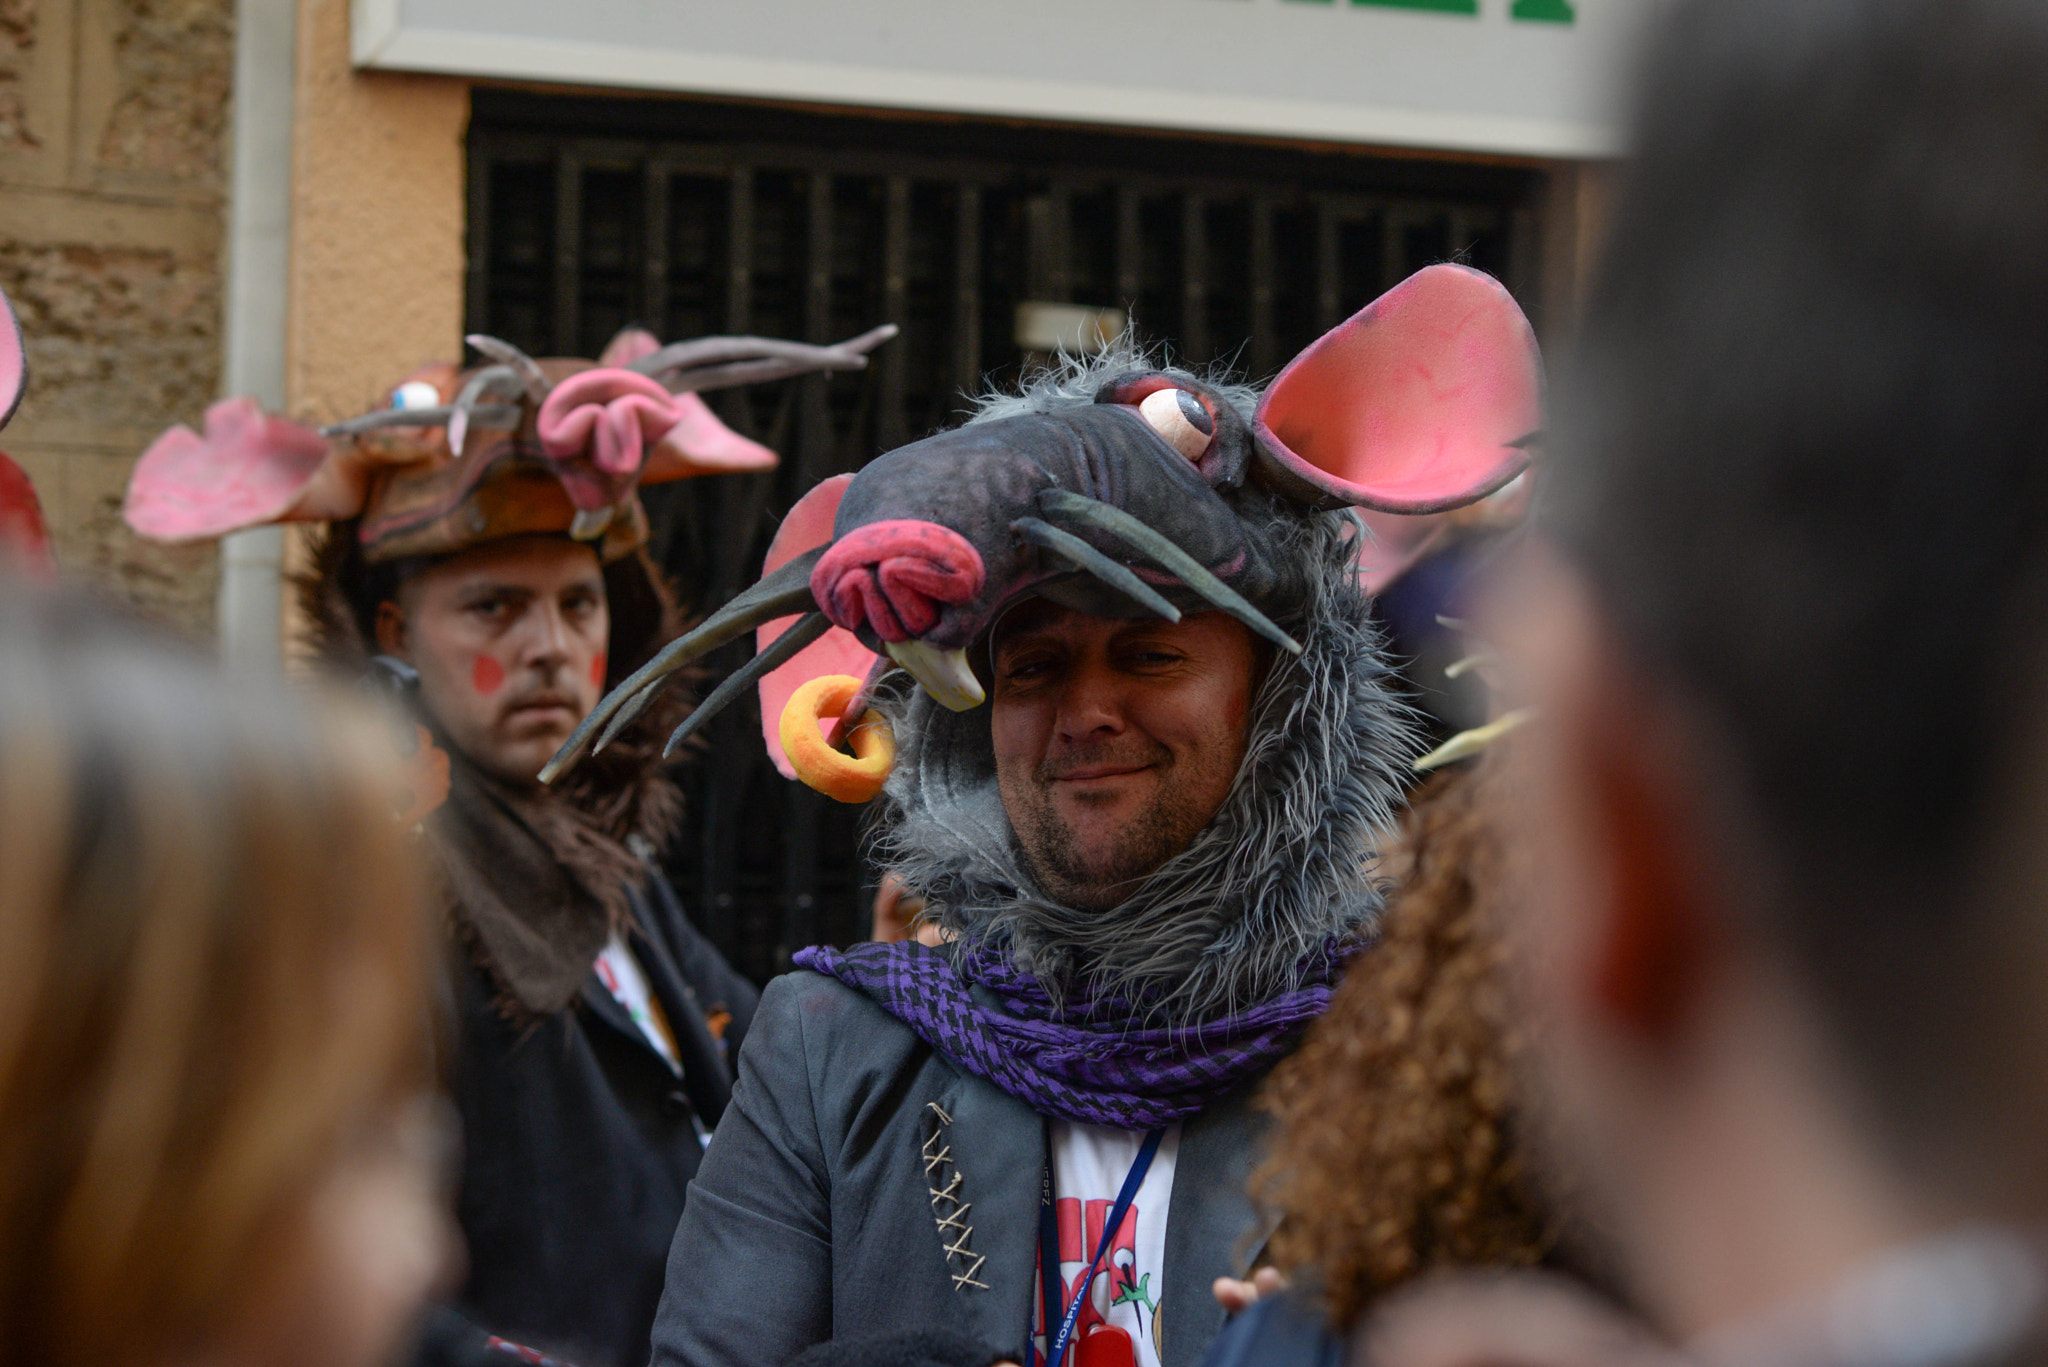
pixel 1121 487
pixel 1282 871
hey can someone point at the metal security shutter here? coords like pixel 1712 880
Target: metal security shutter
pixel 586 215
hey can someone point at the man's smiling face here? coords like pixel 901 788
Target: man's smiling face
pixel 509 639
pixel 1116 740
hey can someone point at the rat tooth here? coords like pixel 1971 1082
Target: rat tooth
pixel 944 673
pixel 590 523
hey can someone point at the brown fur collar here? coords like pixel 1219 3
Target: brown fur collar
pixel 534 880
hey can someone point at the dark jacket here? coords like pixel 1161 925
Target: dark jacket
pixel 579 1141
pixel 813 1216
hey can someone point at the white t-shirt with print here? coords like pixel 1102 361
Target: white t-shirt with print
pixel 623 977
pixel 1089 1164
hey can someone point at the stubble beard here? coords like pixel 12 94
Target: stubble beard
pixel 1064 870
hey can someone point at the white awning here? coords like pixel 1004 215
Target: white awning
pixel 1522 77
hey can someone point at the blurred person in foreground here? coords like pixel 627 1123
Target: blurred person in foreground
pixel 486 539
pixel 213 951
pixel 1786 944
pixel 1403 1146
pixel 1398 1147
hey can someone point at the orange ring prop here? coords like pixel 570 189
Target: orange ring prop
pixel 844 778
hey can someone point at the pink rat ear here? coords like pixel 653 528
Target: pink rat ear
pixel 838 651
pixel 700 444
pixel 13 361
pixel 1420 402
pixel 246 470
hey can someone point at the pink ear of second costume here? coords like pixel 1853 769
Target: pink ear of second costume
pixel 248 468
pixel 838 651
pixel 697 443
pixel 1414 404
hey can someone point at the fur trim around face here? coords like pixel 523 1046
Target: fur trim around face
pixel 1073 381
pixel 1284 867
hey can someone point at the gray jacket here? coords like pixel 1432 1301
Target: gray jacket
pixel 827 1203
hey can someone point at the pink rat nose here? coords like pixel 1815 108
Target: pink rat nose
pixel 894 576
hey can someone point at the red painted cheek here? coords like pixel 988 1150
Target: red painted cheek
pixel 597 668
pixel 487 675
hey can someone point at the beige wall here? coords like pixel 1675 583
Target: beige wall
pixel 377 212
pixel 113 155
pixel 376 233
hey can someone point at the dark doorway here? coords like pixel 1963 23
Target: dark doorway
pixel 696 218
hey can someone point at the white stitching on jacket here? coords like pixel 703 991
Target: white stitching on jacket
pixel 954 1231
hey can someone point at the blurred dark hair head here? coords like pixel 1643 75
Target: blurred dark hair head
pixel 1803 459
pixel 212 982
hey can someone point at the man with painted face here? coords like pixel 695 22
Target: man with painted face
pixel 1149 855
pixel 592 1020
pixel 484 557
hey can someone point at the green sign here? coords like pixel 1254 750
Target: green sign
pixel 1440 6
pixel 1532 11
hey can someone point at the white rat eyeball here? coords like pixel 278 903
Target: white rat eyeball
pixel 1179 417
pixel 415 394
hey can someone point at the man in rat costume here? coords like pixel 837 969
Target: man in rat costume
pixel 1151 853
pixel 486 546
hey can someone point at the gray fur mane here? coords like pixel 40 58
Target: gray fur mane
pixel 1071 381
pixel 1284 867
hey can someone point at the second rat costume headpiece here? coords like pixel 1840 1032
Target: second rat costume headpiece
pixel 512 447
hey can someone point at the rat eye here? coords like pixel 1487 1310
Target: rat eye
pixel 1179 417
pixel 415 394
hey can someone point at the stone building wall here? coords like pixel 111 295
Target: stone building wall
pixel 114 137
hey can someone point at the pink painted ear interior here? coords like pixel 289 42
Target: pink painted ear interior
pixel 838 651
pixel 1412 405
pixel 247 470
pixel 13 362
pixel 699 444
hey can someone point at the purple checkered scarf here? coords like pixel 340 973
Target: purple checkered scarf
pixel 1087 1059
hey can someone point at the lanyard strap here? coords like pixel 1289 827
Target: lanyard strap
pixel 1049 1249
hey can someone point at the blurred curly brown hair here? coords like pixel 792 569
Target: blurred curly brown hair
pixel 1395 1151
